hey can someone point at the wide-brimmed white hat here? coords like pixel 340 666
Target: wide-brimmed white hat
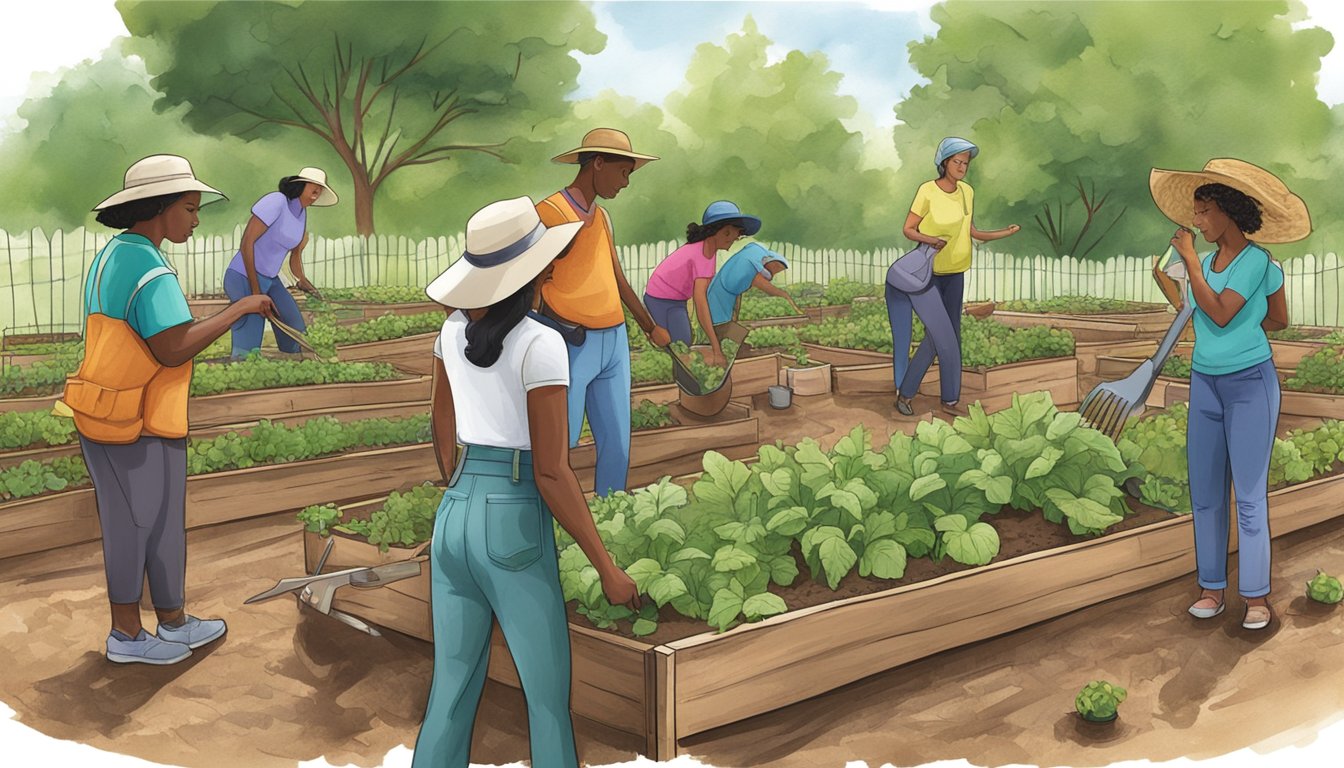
pixel 606 141
pixel 1284 216
pixel 159 175
pixel 318 177
pixel 507 246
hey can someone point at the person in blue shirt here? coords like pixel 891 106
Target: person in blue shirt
pixel 755 266
pixel 1238 295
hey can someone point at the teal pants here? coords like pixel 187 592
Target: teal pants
pixel 493 556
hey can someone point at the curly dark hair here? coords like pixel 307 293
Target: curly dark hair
pixel 698 232
pixel 1241 208
pixel 129 214
pixel 292 186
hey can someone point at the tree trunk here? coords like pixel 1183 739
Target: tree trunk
pixel 363 204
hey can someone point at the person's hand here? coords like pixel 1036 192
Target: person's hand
pixel 1011 229
pixel 620 589
pixel 660 337
pixel 1184 243
pixel 257 304
pixel 939 243
pixel 307 287
pixel 796 309
pixel 715 358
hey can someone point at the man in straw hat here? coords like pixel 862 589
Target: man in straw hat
pixel 585 296
pixel 1237 292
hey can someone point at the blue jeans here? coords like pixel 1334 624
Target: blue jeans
pixel 599 385
pixel 493 556
pixel 672 315
pixel 1229 440
pixel 247 331
pixel 939 308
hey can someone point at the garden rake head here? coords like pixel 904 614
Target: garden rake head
pixel 1111 403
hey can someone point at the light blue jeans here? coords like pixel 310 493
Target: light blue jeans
pixel 247 331
pixel 493 556
pixel 599 385
pixel 1229 439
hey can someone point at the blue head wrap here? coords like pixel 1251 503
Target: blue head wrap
pixel 950 146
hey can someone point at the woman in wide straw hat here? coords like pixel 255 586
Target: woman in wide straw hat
pixel 500 391
pixel 129 403
pixel 1238 294
pixel 277 228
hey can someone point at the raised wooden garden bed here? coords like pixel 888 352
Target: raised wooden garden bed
pixel 810 316
pixel 667 693
pixel 1289 354
pixel 412 354
pixel 993 387
pixel 303 402
pixel 1115 326
pixel 71 517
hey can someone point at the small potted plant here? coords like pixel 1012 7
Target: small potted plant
pixel 1325 589
pixel 1099 701
pixel 807 377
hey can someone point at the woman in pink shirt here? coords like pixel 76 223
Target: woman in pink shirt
pixel 686 273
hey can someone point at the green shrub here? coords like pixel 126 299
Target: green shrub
pixel 1100 701
pixel 1068 305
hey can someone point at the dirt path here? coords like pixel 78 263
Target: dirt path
pixel 286 686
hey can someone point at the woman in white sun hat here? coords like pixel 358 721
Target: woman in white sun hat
pixel 278 227
pixel 129 403
pixel 1237 291
pixel 500 390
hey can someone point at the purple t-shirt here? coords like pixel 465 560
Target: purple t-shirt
pixel 674 279
pixel 285 220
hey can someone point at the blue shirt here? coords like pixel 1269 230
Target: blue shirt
pixel 1242 342
pixel 734 279
pixel 121 268
pixel 286 222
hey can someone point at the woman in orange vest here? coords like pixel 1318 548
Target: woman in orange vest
pixel 129 400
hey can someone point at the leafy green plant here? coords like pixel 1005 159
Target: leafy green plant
pixel 325 335
pixel 1070 305
pixel 1177 367
pixel 44 377
pixel 378 294
pixel 33 478
pixel 652 366
pixel 1322 371
pixel 649 415
pixel 1325 588
pixel 260 373
pixel 319 518
pixel 32 429
pixel 1099 701
pixel 709 376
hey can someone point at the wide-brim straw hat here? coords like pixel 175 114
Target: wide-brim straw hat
pixel 1284 215
pixel 318 177
pixel 607 141
pixel 159 175
pixel 507 247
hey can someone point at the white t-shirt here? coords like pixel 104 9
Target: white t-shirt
pixel 490 404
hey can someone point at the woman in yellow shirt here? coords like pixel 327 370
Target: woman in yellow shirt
pixel 940 216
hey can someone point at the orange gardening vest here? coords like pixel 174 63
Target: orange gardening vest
pixel 582 289
pixel 121 391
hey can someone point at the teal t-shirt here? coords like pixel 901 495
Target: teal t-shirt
pixel 1242 342
pixel 734 279
pixel 136 284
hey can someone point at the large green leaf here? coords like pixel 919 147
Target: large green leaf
pixel 688 553
pixel 884 559
pixel 667 529
pixel 644 571
pixel 667 588
pixel 837 558
pixel 975 544
pixel 764 605
pixel 1064 423
pixel 1084 514
pixel 788 522
pixel 727 606
pixel 783 570
pixel 925 486
pixel 722 481
pixel 1044 463
pixel 997 490
pixel 730 558
pixel 778 483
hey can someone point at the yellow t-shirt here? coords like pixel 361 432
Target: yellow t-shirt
pixel 948 216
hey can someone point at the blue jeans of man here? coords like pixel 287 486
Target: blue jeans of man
pixel 1229 439
pixel 493 556
pixel 247 331
pixel 599 385
pixel 939 308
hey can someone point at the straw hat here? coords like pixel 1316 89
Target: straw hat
pixel 1284 214
pixel 608 141
pixel 318 177
pixel 507 247
pixel 158 175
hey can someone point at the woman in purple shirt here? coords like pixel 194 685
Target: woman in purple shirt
pixel 278 228
pixel 686 274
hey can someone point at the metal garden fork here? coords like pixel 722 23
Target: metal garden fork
pixel 1110 403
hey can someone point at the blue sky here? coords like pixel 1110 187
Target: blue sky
pixel 650 43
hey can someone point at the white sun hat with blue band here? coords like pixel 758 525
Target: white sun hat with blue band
pixel 507 247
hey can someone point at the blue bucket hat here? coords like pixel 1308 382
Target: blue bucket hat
pixel 724 210
pixel 950 146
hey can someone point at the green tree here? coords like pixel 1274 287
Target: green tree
pixel 1070 93
pixel 387 86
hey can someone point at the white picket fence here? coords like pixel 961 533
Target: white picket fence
pixel 42 279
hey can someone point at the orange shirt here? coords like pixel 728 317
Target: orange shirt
pixel 582 289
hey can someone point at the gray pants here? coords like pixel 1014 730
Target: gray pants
pixel 671 315
pixel 939 308
pixel 141 491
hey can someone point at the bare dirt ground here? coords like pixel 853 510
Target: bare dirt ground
pixel 285 686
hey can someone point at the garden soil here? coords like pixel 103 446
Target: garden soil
pixel 287 686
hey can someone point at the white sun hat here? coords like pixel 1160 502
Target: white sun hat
pixel 507 246
pixel 158 175
pixel 318 177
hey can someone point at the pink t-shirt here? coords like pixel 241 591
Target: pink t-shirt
pixel 674 279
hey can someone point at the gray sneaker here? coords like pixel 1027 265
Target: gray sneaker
pixel 194 632
pixel 144 649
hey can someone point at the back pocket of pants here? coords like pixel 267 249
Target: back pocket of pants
pixel 513 530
